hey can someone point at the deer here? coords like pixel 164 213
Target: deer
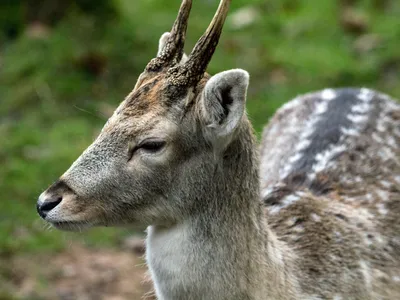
pixel 312 212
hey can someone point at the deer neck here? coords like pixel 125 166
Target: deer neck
pixel 225 250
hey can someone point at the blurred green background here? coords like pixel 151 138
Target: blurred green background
pixel 65 65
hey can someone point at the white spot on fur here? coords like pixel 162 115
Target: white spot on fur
pixel 337 297
pixel 384 195
pixel 349 199
pixel 377 138
pixel 315 217
pixel 379 239
pixel 321 108
pixel 357 118
pixel 396 278
pixel 334 257
pixel 385 183
pixel 366 272
pixel 381 125
pixel 387 153
pixel 275 209
pixel 322 159
pixel 302 194
pixel 365 95
pixel 295 158
pixel 303 144
pixel 358 179
pixel 349 131
pixel 392 155
pixel 346 179
pixel 361 108
pixel 287 201
pixel 298 228
pixel 382 209
pixel 391 141
pixel 291 221
pixel 369 197
pixel 328 94
pixel 266 192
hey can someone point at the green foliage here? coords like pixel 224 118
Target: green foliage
pixel 58 84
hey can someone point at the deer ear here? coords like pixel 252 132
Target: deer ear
pixel 161 44
pixel 222 103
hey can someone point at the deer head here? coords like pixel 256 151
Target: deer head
pixel 156 154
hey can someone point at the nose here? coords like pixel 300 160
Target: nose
pixel 44 207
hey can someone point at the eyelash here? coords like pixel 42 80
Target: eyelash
pixel 148 146
pixel 152 146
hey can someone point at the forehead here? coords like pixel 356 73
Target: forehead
pixel 145 108
pixel 149 97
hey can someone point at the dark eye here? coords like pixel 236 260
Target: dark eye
pixel 149 146
pixel 152 146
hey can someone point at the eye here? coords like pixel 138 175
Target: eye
pixel 152 146
pixel 149 146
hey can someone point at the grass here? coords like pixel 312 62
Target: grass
pixel 57 88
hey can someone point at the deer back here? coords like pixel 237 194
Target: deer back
pixel 330 181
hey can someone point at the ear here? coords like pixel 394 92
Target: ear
pixel 222 103
pixel 161 44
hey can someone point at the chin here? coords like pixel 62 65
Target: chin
pixel 74 226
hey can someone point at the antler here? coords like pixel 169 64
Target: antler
pixel 173 49
pixel 193 70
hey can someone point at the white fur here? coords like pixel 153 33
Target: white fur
pixel 164 253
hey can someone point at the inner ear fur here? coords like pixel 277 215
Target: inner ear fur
pixel 223 102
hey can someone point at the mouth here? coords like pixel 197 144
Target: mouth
pixel 71 225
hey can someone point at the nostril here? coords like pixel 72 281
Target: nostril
pixel 50 204
pixel 47 206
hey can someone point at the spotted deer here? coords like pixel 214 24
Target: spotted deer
pixel 317 217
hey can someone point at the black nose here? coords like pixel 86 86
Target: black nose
pixel 45 207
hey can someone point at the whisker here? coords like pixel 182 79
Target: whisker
pixel 98 113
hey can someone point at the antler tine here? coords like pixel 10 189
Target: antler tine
pixel 173 49
pixel 194 68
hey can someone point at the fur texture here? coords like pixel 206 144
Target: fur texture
pixel 184 161
pixel 331 186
